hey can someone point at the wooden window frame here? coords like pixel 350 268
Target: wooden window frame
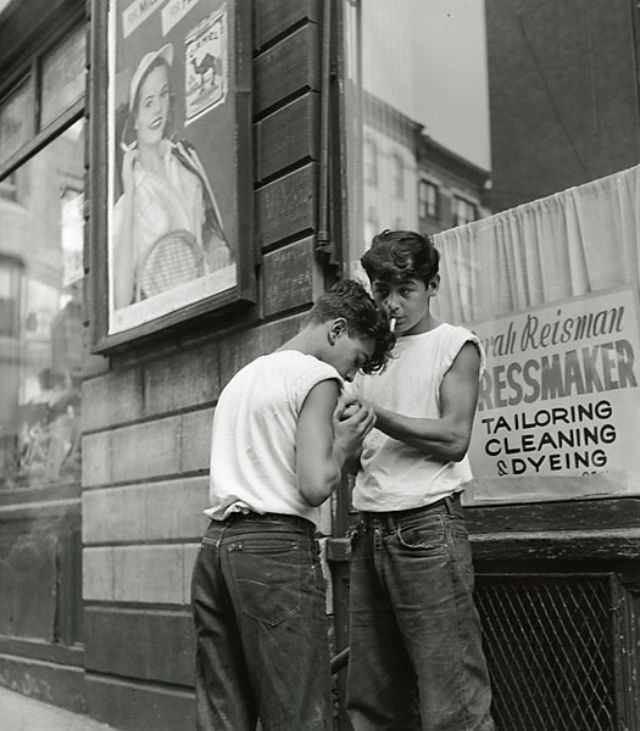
pixel 423 185
pixel 31 68
pixel 468 202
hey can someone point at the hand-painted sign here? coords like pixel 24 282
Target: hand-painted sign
pixel 560 392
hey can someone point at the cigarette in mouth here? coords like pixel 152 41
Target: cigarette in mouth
pixel 392 324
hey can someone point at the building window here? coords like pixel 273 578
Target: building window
pixel 464 211
pixel 370 161
pixel 428 199
pixel 398 175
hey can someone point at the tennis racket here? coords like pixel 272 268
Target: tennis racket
pixel 174 259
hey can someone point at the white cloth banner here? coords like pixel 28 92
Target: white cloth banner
pixel 573 243
pixel 551 288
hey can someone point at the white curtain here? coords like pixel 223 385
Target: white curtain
pixel 579 241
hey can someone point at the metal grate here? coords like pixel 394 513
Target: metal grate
pixel 549 646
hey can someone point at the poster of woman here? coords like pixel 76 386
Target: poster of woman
pixel 173 205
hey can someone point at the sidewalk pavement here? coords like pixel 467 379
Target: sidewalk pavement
pixel 21 713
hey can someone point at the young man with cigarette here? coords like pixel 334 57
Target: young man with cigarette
pixel 416 658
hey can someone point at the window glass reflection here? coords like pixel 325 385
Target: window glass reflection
pixel 63 75
pixel 417 99
pixel 40 315
pixel 511 128
pixel 16 119
pixel 459 109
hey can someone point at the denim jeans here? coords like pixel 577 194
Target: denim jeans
pixel 258 603
pixel 416 654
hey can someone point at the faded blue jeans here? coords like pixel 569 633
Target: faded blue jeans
pixel 416 653
pixel 258 603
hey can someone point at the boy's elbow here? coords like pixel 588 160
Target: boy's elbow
pixel 315 499
pixel 458 447
pixel 317 489
pixel 315 495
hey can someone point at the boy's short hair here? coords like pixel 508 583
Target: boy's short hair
pixel 399 255
pixel 349 299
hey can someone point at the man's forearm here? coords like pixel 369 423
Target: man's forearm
pixel 435 437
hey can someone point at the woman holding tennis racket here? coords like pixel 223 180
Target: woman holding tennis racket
pixel 167 228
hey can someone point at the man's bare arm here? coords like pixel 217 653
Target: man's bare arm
pixel 446 438
pixel 324 441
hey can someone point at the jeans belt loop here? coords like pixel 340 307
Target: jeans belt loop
pixel 448 504
pixel 452 502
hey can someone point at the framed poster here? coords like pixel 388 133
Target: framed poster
pixel 171 82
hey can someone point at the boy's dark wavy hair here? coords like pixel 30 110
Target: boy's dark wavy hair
pixel 349 299
pixel 398 255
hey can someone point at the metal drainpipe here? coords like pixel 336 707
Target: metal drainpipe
pixel 323 242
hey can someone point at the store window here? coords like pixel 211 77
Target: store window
pixel 537 159
pixel 535 105
pixel 526 113
pixel 17 117
pixel 42 139
pixel 10 290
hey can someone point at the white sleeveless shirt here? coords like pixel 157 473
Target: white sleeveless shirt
pixel 253 443
pixel 395 475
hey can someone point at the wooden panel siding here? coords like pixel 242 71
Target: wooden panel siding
pixel 285 209
pixel 115 514
pixel 126 644
pixel 247 345
pixel 114 397
pixel 287 69
pixel 274 18
pixel 195 440
pixel 608 514
pixel 167 446
pixel 294 290
pixel 171 510
pixel 177 381
pixel 182 380
pixel 148 574
pixel 287 137
pixel 189 555
pixel 132 453
pixel 615 545
pixel 33 649
pixel 97 576
pixel 134 706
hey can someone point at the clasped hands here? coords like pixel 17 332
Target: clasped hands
pixel 352 421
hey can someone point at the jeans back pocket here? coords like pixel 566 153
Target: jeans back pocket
pixel 268 575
